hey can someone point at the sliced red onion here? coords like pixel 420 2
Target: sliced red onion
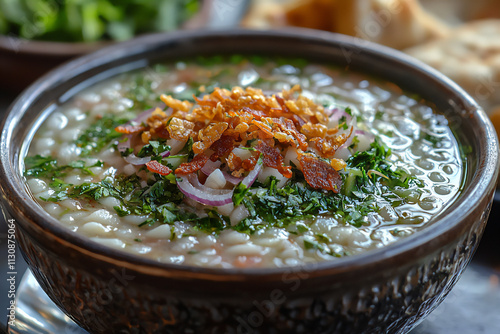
pixel 330 111
pixel 125 145
pixel 270 92
pixel 135 160
pixel 252 176
pixel 348 142
pixel 210 166
pixel 338 114
pixel 358 133
pixel 143 116
pixel 131 158
pixel 193 189
pixel 169 110
pixel 367 134
pixel 231 179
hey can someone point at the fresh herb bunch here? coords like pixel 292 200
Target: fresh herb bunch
pixel 92 20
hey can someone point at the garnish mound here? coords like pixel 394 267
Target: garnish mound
pixel 267 125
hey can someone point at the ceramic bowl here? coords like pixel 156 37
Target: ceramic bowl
pixel 388 290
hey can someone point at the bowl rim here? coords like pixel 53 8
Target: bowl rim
pixel 482 184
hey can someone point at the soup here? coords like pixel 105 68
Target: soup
pixel 244 162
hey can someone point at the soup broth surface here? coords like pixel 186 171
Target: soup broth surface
pixel 398 167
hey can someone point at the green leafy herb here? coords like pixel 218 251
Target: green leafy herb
pixel 95 191
pixel 239 193
pixel 362 190
pixel 309 244
pixel 212 223
pixel 40 166
pixel 47 167
pixel 99 134
pixel 154 149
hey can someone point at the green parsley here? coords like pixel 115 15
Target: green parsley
pixel 100 134
pixel 47 167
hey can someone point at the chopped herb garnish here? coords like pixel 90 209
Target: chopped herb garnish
pixel 239 193
pixel 47 167
pixel 298 201
pixel 100 134
pixel 212 223
pixel 154 148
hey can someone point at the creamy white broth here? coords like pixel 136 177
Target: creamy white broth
pixel 420 140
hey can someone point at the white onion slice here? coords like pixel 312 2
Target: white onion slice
pixel 135 160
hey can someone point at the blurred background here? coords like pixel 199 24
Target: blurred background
pixel 460 38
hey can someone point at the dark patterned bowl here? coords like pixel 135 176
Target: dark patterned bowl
pixel 388 290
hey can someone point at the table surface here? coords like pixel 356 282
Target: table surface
pixel 473 306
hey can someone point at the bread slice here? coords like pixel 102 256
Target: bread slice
pixel 471 57
pixel 395 23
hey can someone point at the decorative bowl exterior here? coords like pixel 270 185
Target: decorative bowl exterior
pixel 388 290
